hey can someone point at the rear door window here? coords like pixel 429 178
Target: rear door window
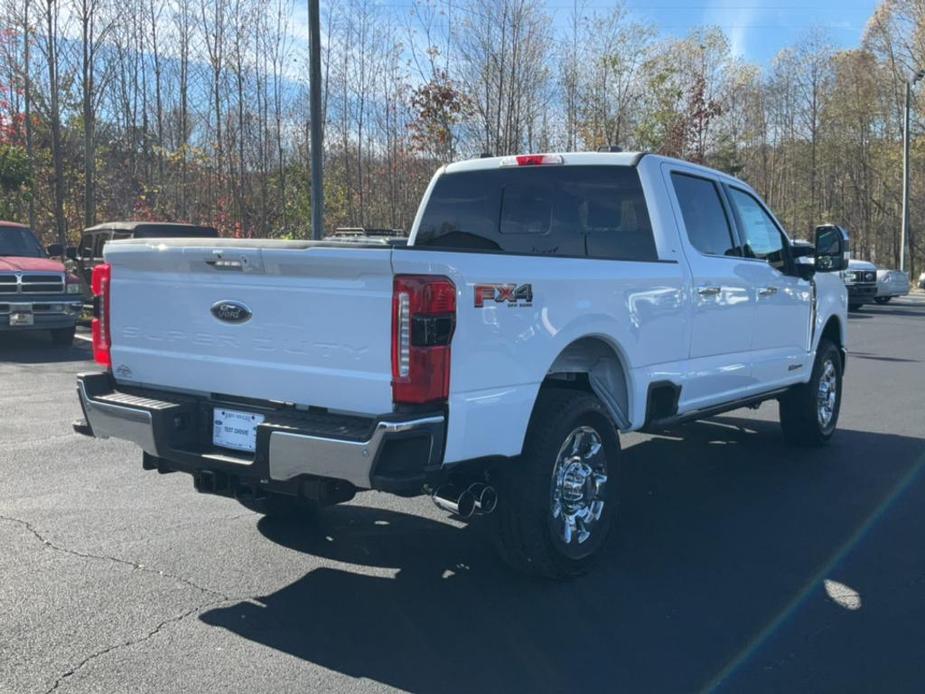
pixel 708 227
pixel 574 211
pixel 85 249
pixel 98 243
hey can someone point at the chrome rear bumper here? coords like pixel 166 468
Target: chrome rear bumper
pixel 370 453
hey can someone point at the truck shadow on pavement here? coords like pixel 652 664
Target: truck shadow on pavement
pixel 36 348
pixel 718 534
pixel 915 312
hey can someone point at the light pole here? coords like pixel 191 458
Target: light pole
pixel 314 76
pixel 905 220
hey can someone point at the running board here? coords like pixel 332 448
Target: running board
pixel 658 425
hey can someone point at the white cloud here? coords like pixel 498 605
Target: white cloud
pixel 735 19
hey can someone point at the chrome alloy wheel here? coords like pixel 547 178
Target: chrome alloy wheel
pixel 827 394
pixel 579 480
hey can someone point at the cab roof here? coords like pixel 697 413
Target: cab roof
pixel 573 158
pixel 589 159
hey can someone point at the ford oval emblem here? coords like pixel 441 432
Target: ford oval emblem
pixel 231 312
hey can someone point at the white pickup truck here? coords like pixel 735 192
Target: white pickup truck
pixel 542 304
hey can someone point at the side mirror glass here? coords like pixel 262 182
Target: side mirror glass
pixel 55 250
pixel 71 253
pixel 831 248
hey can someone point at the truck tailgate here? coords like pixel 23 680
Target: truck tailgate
pixel 318 331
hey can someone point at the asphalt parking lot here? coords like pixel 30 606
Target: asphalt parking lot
pixel 738 563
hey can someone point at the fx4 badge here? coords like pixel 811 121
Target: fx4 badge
pixel 510 294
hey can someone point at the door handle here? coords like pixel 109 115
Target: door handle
pixel 709 291
pixel 767 291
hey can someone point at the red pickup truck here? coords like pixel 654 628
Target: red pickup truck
pixel 36 292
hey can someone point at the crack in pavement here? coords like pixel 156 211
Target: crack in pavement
pixel 219 598
pixel 134 641
pixel 116 560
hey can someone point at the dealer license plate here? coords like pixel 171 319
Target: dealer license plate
pixel 235 429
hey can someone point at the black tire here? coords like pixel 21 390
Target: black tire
pixel 854 307
pixel 63 337
pixel 883 299
pixel 529 537
pixel 283 507
pixel 801 414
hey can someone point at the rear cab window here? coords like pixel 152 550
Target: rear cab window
pixel 576 211
pixel 709 229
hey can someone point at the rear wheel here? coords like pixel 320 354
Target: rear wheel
pixel 883 299
pixel 809 411
pixel 558 500
pixel 63 336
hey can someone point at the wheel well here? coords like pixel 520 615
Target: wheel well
pixel 832 332
pixel 592 364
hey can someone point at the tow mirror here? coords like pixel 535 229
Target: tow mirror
pixel 831 248
pixel 55 250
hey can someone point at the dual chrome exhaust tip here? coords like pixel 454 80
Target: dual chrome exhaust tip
pixel 477 499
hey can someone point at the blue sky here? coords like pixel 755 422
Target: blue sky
pixel 757 29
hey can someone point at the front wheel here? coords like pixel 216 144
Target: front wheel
pixel 883 299
pixel 809 411
pixel 557 502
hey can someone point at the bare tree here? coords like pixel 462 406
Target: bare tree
pixel 504 51
pixel 213 25
pixel 94 28
pixel 50 45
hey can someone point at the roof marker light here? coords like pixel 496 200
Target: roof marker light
pixel 533 160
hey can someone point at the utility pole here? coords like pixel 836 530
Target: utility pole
pixel 904 236
pixel 314 41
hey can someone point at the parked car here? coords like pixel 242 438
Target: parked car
pixel 922 281
pixel 36 293
pixel 89 251
pixel 861 280
pixel 890 284
pixel 543 304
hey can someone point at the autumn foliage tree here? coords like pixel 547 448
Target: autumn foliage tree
pixel 197 110
pixel 439 107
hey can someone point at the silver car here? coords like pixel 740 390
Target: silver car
pixel 891 283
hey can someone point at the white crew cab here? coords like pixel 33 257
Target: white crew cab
pixel 542 305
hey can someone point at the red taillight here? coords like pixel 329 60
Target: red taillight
pixel 423 321
pixel 102 336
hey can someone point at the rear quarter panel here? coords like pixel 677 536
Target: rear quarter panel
pixel 501 352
